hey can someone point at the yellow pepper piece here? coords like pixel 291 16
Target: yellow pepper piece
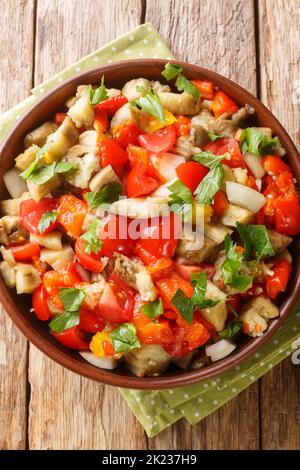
pixel 201 210
pixel 96 344
pixel 48 157
pixel 152 124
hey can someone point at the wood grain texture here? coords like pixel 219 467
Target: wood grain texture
pixel 67 411
pixel 279 24
pixel 193 28
pixel 16 26
pixel 217 34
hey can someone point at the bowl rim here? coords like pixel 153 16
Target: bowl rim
pixel 166 380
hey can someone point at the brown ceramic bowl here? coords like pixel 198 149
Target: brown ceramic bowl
pixel 18 307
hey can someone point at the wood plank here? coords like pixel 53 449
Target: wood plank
pixel 16 25
pixel 67 411
pixel 279 24
pixel 193 29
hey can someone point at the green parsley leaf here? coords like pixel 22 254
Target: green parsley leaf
pixel 182 83
pixel 150 102
pixel 153 309
pixel 72 300
pixel 27 173
pixel 65 167
pixel 231 266
pixel 199 283
pixel 64 321
pixel 213 137
pixel 209 159
pixel 232 328
pixel 45 221
pixel 210 184
pixel 171 71
pixel 91 237
pixel 230 307
pixel 98 95
pixel 181 199
pixel 257 142
pixel 124 338
pixel 184 305
pixel 108 194
pixel 255 238
pixel 42 174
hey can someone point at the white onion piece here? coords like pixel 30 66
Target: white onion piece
pixel 258 183
pixel 220 349
pixel 14 183
pixel 244 196
pixel 163 191
pixel 166 165
pixel 254 162
pixel 102 362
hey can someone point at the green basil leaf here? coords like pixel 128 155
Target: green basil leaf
pixel 232 328
pixel 71 298
pixel 254 141
pixel 45 221
pixel 183 84
pixel 171 71
pixel 40 153
pixel 150 103
pixel 153 309
pixel 42 174
pixel 184 305
pixel 209 159
pixel 210 184
pixel 256 239
pixel 124 338
pixel 64 321
pixel 181 199
pixel 108 194
pixel 91 237
pixel 98 95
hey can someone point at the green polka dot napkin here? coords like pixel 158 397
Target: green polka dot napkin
pixel 158 409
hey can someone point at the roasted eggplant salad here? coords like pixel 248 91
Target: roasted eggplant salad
pixel 99 195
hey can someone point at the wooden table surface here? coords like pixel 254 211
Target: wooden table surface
pixel 255 43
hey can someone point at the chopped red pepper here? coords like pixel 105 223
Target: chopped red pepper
pixel 220 203
pixel 191 174
pixel 206 88
pixel 111 105
pixel 223 104
pixel 277 282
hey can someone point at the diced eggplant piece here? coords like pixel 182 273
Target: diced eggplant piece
pixel 24 160
pixel 11 229
pixel 185 148
pixel 216 315
pixel 278 241
pixel 130 88
pixel 255 314
pixel 39 135
pixel 57 259
pixel 61 140
pixel 242 114
pixel 86 166
pixel 150 360
pixel 216 232
pixel 182 103
pixel 38 191
pixel 208 250
pixel 285 254
pixel 82 112
pixel 12 206
pixel 52 240
pixel 124 114
pixel 9 274
pixel 234 214
pixel 184 362
pixel 27 278
pixel 105 176
pixel 159 87
pixel 135 275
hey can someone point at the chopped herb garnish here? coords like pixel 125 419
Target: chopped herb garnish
pixel 256 240
pixel 39 155
pixel 98 95
pixel 231 267
pixel 108 194
pixel 182 83
pixel 232 329
pixel 213 137
pixel 212 182
pixel 181 199
pixel 40 175
pixel 46 220
pixel 72 300
pixel 257 142
pixel 150 102
pixel 124 338
pixel 92 242
pixel 153 309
